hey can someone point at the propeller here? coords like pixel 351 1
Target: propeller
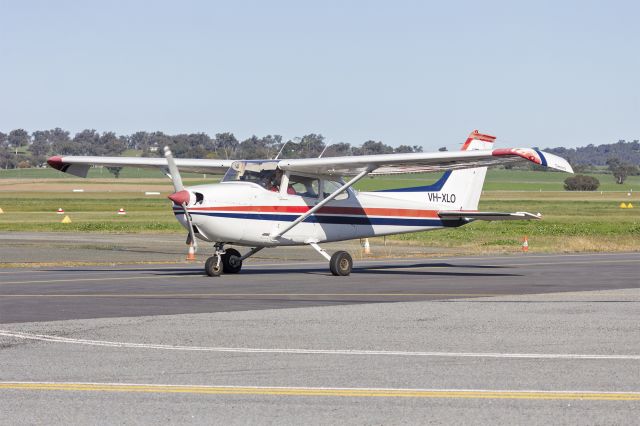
pixel 181 196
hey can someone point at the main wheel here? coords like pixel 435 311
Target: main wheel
pixel 212 268
pixel 231 263
pixel 341 263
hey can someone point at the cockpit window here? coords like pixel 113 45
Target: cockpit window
pixel 259 172
pixel 267 175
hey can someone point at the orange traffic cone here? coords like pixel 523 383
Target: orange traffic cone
pixel 121 211
pixel 191 255
pixel 525 245
pixel 60 211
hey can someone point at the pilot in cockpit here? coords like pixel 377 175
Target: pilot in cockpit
pixel 274 184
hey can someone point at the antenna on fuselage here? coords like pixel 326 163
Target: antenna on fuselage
pixel 280 152
pixel 325 148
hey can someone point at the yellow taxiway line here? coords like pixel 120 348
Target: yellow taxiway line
pixel 326 392
pixel 254 295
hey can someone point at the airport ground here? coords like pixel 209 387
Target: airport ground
pixel 519 339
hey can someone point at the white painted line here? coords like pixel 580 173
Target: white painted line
pixel 116 278
pixel 291 351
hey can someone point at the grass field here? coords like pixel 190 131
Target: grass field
pixel 573 221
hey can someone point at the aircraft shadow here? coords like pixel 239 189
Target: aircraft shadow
pixel 377 269
pixel 373 269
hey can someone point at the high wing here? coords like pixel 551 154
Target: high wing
pixel 387 164
pixel 79 165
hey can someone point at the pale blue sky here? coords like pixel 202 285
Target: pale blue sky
pixel 544 73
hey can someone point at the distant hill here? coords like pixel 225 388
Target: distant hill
pixel 597 155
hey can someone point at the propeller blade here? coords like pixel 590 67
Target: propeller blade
pixel 173 170
pixel 181 196
pixel 192 236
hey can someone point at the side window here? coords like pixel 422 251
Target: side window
pixel 303 186
pixel 330 186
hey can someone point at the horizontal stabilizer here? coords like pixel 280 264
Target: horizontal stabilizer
pixel 471 216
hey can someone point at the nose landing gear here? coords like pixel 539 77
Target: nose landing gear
pixel 214 265
pixel 228 261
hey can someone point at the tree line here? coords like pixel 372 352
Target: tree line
pixel 599 155
pixel 19 148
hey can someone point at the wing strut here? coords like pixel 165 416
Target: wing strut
pixel 318 206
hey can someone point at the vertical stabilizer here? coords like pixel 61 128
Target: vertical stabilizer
pixel 456 189
pixel 468 183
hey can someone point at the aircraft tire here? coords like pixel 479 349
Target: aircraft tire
pixel 341 263
pixel 211 267
pixel 229 264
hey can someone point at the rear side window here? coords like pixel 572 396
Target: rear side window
pixel 329 186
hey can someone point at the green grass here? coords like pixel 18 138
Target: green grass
pixel 572 221
pixel 520 180
pixel 501 180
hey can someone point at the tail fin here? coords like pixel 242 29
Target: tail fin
pixel 467 183
pixel 456 189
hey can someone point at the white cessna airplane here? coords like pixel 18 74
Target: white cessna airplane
pixel 268 203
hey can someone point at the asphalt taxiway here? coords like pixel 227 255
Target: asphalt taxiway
pixel 507 339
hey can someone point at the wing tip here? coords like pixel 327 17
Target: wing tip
pixel 55 162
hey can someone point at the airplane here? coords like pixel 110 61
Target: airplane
pixel 307 202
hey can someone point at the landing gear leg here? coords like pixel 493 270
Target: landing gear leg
pixel 340 264
pixel 214 265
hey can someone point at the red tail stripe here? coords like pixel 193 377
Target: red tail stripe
pixel 479 136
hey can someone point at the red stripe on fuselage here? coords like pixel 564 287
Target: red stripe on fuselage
pixel 356 211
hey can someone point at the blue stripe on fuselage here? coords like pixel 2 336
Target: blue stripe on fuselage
pixel 338 220
pixel 435 187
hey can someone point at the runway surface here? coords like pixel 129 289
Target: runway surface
pixel 48 294
pixel 515 339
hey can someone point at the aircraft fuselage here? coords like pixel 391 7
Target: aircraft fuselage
pixel 247 214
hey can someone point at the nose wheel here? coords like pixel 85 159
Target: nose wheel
pixel 219 262
pixel 213 266
pixel 227 261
